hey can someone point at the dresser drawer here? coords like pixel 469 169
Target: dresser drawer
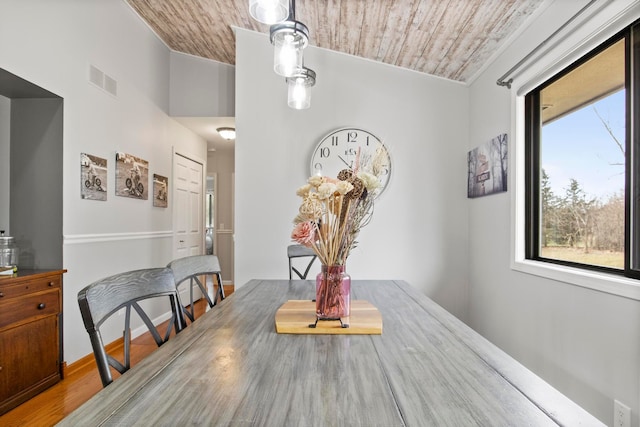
pixel 29 286
pixel 29 307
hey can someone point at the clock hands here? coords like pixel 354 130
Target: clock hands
pixel 350 166
pixel 345 145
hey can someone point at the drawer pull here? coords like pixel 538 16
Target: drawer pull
pixel 1 294
pixel 41 306
pixel 50 284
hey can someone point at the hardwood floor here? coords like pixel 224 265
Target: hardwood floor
pixel 80 383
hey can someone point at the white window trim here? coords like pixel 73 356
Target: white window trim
pixel 609 21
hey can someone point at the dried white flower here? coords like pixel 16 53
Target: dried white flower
pixel 370 181
pixel 326 190
pixel 343 187
pixel 315 180
pixel 304 190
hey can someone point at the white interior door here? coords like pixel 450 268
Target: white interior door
pixel 188 214
pixel 188 211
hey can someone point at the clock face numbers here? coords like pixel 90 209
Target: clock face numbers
pixel 352 149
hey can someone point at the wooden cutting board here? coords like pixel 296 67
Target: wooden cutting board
pixel 295 316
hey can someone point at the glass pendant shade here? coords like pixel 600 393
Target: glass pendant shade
pixel 269 11
pixel 289 40
pixel 299 89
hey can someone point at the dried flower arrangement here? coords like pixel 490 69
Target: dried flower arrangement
pixel 334 210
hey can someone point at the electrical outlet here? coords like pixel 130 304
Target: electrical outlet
pixel 621 415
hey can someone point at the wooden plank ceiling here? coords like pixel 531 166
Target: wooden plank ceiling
pixel 452 39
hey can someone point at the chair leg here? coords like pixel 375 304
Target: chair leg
pixel 193 315
pixel 189 315
pixel 204 291
pixel 220 287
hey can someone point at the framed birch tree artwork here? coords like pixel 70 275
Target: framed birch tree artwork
pixel 487 168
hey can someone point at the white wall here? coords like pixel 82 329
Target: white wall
pixel 36 181
pixel 52 44
pixel 222 163
pixel 201 87
pixel 584 342
pixel 5 120
pixel 419 228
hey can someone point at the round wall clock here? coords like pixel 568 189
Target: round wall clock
pixel 339 150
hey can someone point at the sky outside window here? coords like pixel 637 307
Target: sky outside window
pixel 578 146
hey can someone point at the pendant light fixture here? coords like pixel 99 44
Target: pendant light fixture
pixel 289 39
pixel 299 89
pixel 269 11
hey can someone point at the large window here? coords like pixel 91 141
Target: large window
pixel 582 192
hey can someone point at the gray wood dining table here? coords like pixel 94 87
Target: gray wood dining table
pixel 231 368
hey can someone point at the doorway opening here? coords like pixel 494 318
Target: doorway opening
pixel 210 215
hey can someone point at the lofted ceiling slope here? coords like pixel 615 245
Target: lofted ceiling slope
pixel 452 39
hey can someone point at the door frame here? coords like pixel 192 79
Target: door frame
pixel 214 236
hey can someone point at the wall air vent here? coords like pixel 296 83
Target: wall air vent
pixel 102 80
pixel 96 76
pixel 110 85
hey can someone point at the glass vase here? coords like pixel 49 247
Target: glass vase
pixel 333 293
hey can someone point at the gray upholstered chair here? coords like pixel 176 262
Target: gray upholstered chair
pixel 191 267
pixel 299 251
pixel 105 297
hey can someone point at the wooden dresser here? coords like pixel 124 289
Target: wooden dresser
pixel 30 334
